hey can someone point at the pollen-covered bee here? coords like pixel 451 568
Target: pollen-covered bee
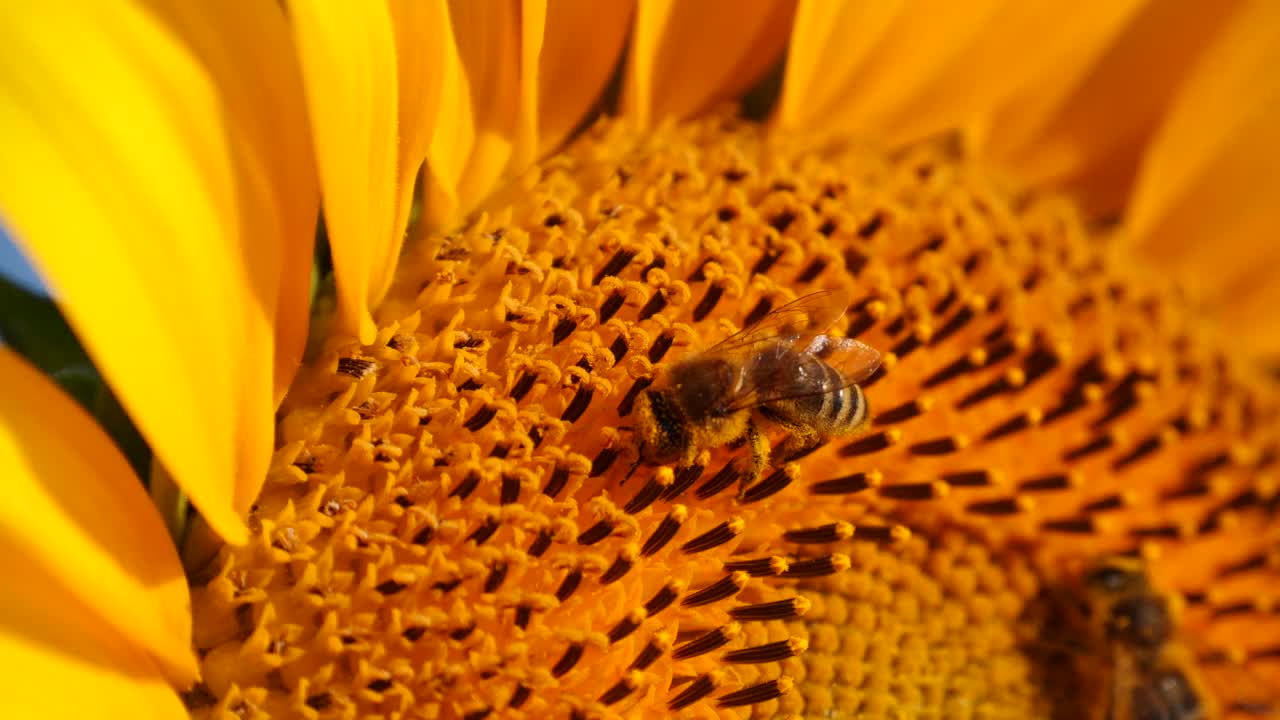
pixel 782 371
pixel 1151 675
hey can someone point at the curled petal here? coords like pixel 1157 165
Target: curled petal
pixel 490 88
pixel 579 54
pixel 1083 126
pixel 1204 207
pixel 821 61
pixel 132 218
pixel 903 71
pixel 499 45
pixel 348 59
pixel 491 79
pixel 422 30
pixel 512 78
pixel 61 664
pixel 686 56
pixel 248 51
pixel 453 133
pixel 112 562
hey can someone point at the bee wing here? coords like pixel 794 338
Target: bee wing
pixel 800 320
pixel 853 359
pixel 785 379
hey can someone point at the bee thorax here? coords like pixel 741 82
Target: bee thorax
pixel 703 385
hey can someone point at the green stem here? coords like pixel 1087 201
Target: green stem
pixel 170 501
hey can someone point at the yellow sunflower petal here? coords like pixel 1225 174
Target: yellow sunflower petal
pixel 505 95
pixel 824 53
pixel 61 663
pixel 347 52
pixel 421 29
pixel 499 44
pixel 248 50
pixel 686 56
pixel 902 72
pixel 533 28
pixel 75 511
pixel 488 128
pixel 131 217
pixel 579 54
pixel 1204 207
pixel 452 135
pixel 900 51
pixel 1085 131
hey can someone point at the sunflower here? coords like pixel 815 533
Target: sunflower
pixel 1054 227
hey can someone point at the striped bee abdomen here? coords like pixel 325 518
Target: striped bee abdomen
pixel 822 402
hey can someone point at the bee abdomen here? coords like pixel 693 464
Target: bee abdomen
pixel 849 410
pixel 841 409
pixel 837 411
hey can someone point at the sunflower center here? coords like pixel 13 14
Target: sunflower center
pixel 452 529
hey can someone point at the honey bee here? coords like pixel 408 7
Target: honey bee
pixel 782 371
pixel 1151 675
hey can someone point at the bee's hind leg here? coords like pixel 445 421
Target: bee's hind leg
pixel 759 445
pixel 797 445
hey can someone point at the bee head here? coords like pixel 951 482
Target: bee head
pixel 1140 621
pixel 661 427
pixel 1116 575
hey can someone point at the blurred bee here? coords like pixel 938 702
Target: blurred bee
pixel 1151 675
pixel 782 370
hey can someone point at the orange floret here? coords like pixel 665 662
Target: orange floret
pixel 448 530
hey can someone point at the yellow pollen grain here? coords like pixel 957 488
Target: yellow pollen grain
pixel 452 528
pixel 779 565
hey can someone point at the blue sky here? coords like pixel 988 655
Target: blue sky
pixel 14 266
